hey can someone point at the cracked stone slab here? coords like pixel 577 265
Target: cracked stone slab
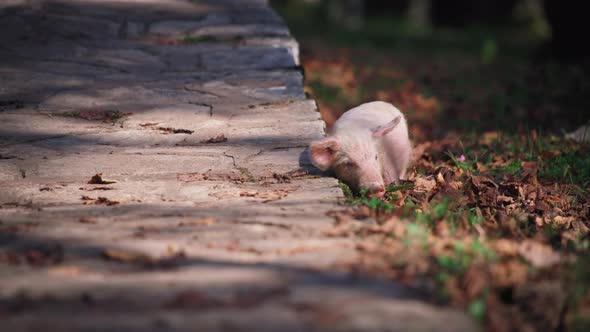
pixel 207 214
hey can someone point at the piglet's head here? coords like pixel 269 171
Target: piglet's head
pixel 354 157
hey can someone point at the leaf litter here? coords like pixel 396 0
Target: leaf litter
pixel 495 222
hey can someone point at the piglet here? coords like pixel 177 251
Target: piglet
pixel 368 148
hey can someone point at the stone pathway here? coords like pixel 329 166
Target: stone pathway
pixel 208 215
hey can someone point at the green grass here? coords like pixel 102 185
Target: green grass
pixel 571 167
pixel 477 309
pixel 374 203
pixel 348 194
pixel 390 32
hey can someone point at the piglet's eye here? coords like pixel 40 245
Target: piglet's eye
pixel 376 157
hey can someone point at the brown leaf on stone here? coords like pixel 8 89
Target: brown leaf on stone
pixel 97 179
pixel 224 194
pixel 96 188
pixel 191 177
pixel 64 271
pixel 42 255
pixel 362 212
pixel 217 139
pixel 249 193
pixel 342 226
pixel 269 195
pixel 207 221
pixel 170 130
pixel 87 220
pixel 125 256
pixel 367 246
pixel 98 201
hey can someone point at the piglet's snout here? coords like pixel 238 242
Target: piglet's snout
pixel 376 190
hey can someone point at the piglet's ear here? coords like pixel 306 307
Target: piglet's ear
pixel 383 130
pixel 322 152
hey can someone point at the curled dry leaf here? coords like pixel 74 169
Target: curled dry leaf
pixel 424 184
pixel 563 222
pixel 149 124
pixel 538 254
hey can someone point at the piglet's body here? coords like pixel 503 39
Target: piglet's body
pixel 368 149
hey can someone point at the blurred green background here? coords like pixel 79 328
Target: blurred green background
pixel 450 65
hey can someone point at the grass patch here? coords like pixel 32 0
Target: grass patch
pixel 570 167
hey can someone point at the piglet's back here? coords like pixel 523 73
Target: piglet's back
pixel 368 115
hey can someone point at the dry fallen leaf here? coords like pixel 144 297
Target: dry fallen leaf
pixel 64 271
pixel 538 254
pixel 424 184
pixel 564 222
pixel 125 256
pixel 190 177
pixel 217 139
pixel 203 221
pixel 98 201
pixel 87 220
pixel 505 247
pixel 269 195
pixel 170 130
